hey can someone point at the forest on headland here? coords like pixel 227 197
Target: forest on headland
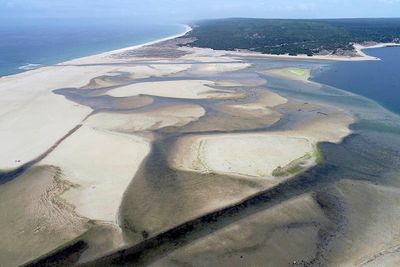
pixel 294 36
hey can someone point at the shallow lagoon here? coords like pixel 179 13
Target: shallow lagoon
pixel 377 80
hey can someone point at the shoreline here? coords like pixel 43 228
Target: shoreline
pixel 187 29
pixel 362 56
pixel 358 48
pixel 134 47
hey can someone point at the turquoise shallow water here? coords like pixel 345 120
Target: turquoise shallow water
pixel 29 44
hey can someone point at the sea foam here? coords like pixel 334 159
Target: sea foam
pixel 29 67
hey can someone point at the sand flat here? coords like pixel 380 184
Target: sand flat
pixel 155 70
pixel 261 107
pixel 263 237
pixel 372 216
pixel 34 219
pixel 176 115
pixel 101 165
pixel 254 155
pixel 30 110
pixel 264 154
pixel 298 74
pixel 332 127
pixel 189 89
pixel 221 67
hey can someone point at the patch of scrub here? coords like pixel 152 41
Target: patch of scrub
pixel 296 166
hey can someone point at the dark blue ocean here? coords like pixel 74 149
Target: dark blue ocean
pixel 25 44
pixel 377 80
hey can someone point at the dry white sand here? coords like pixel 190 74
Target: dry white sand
pixel 154 70
pixel 260 154
pixel 32 117
pixel 176 115
pixel 137 72
pixel 256 155
pixel 360 49
pixel 221 67
pixel 205 55
pixel 189 89
pixel 29 110
pixel 100 164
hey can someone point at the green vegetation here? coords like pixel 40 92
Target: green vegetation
pixel 278 36
pixel 283 172
pixel 300 164
pixel 318 155
pixel 293 168
pixel 302 73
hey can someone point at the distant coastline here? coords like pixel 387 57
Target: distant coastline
pixel 121 50
pixel 360 55
pixel 21 59
pixel 329 39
